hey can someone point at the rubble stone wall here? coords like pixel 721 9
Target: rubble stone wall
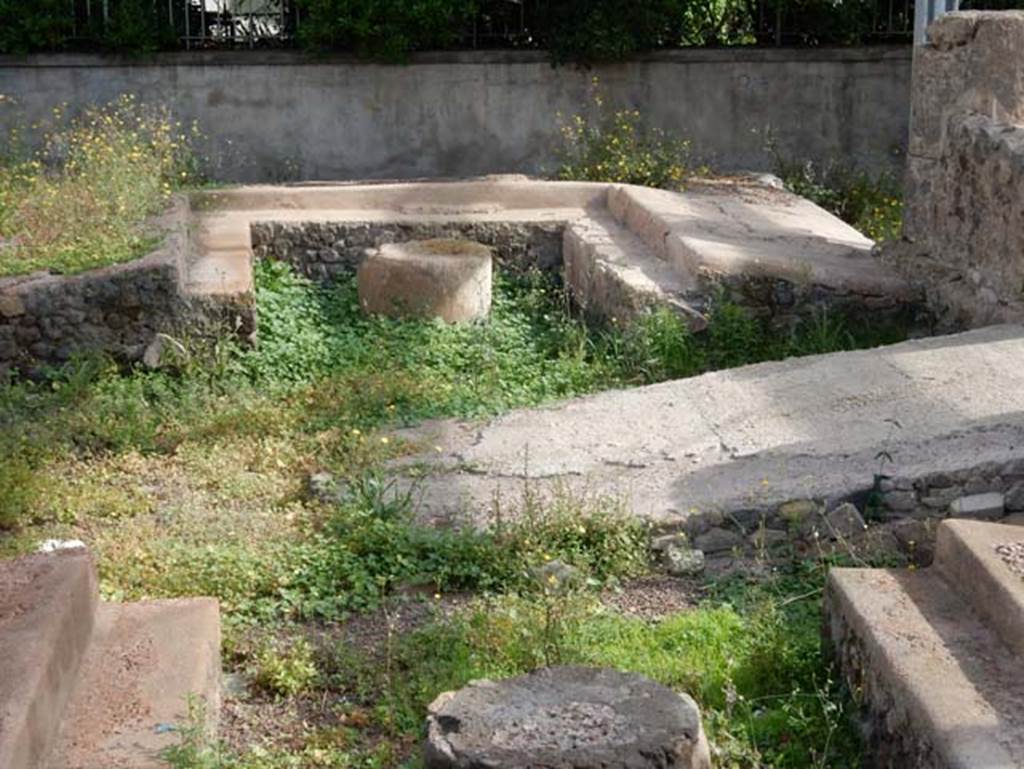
pixel 325 250
pixel 964 225
pixel 47 319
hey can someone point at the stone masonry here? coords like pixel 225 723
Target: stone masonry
pixel 964 225
pixel 46 319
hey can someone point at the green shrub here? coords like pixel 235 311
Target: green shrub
pixel 384 29
pixel 617 146
pixel 135 27
pixel 19 487
pixel 734 337
pixel 590 31
pixel 41 25
pixel 285 669
pixel 660 346
pixel 871 203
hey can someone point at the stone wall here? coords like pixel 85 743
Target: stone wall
pixel 964 227
pixel 325 250
pixel 785 304
pixel 46 319
pixel 278 116
pixel 897 515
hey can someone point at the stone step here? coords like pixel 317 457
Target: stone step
pixel 966 556
pixel 721 229
pixel 144 663
pixel 614 274
pixel 47 605
pixel 940 689
pixel 225 273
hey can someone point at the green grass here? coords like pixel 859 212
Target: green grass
pixel 192 480
pixel 323 376
pixel 754 665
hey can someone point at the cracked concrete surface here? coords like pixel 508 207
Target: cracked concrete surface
pixel 746 438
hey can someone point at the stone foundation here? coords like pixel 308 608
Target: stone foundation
pixel 47 319
pixel 325 250
pixel 898 515
pixel 621 250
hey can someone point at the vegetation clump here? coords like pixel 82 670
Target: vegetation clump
pixel 195 480
pixel 618 146
pixel 82 198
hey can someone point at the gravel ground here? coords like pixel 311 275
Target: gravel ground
pixel 653 598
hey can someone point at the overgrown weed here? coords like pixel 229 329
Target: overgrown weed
pixel 82 199
pixel 617 145
pixel 871 202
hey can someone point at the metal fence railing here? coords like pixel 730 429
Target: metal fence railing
pixel 194 23
pixel 200 24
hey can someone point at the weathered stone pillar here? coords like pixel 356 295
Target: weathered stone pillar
pixel 448 279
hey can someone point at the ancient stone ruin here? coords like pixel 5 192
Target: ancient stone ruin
pixel 447 279
pixel 87 684
pixel 803 453
pixel 564 718
pixel 965 170
pixel 621 250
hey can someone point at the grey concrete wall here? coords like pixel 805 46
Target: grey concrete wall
pixel 277 116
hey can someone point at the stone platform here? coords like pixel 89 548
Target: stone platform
pixel 86 684
pixel 933 656
pixel 623 247
pixel 622 250
pixel 737 446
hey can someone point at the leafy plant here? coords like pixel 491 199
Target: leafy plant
pixel 46 25
pixel 19 486
pixel 285 669
pixel 384 29
pixel 871 203
pixel 195 748
pixel 617 146
pixel 590 31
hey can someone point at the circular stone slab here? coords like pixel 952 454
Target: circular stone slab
pixel 565 718
pixel 449 279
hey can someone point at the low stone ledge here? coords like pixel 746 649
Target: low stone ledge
pixel 325 250
pixel 46 318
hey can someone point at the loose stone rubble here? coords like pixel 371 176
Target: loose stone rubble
pixel 1012 554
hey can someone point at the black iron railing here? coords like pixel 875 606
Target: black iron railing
pixel 200 24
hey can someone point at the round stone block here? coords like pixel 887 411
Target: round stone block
pixel 566 718
pixel 449 279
